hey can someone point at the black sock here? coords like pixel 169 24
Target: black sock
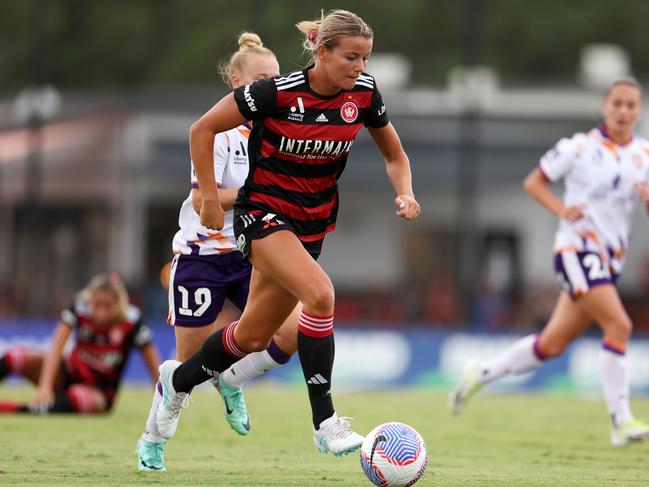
pixel 210 359
pixel 317 359
pixel 4 367
pixel 61 404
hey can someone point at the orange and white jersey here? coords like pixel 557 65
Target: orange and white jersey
pixel 230 170
pixel 599 174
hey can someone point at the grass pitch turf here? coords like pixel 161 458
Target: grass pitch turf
pixel 532 440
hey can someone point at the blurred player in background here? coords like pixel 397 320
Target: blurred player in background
pixel 106 328
pixel 208 266
pixel 605 172
pixel 304 126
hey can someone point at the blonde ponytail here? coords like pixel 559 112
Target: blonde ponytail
pixel 327 30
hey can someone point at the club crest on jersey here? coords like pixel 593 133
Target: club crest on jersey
pixel 349 111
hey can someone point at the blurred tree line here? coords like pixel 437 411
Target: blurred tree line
pixel 82 43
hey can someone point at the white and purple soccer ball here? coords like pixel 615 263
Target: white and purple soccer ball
pixel 393 455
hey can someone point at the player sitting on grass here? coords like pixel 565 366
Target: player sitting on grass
pixel 106 328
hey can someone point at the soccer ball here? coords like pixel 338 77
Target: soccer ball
pixel 393 455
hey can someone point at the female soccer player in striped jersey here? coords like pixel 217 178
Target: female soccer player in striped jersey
pixel 304 126
pixel 606 172
pixel 106 328
pixel 208 267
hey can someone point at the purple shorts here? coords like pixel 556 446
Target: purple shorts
pixel 578 272
pixel 199 284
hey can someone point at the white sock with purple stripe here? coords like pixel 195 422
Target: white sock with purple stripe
pixel 151 431
pixel 255 364
pixel 521 357
pixel 615 382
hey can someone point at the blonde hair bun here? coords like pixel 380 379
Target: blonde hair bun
pixel 249 40
pixel 249 43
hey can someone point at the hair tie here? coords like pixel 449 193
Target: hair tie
pixel 312 36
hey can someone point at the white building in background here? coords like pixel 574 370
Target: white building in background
pixel 115 169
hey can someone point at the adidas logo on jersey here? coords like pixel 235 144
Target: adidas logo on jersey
pixel 322 118
pixel 317 379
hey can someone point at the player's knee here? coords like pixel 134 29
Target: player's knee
pixel 86 401
pixel 623 328
pixel 16 358
pixel 320 297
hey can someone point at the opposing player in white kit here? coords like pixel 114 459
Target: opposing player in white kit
pixel 208 267
pixel 605 172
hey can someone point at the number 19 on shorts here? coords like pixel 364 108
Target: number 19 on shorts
pixel 202 298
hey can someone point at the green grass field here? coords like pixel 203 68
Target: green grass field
pixel 544 440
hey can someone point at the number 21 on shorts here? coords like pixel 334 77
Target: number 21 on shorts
pixel 596 270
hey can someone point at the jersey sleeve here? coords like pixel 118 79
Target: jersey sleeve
pixel 143 334
pixel 256 101
pixel 221 155
pixel 558 161
pixel 378 115
pixel 69 316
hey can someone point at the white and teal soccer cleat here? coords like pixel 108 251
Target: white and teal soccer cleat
pixel 468 386
pixel 335 436
pixel 150 456
pixel 236 412
pixel 633 430
pixel 172 402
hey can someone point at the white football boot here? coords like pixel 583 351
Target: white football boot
pixel 335 436
pixel 172 402
pixel 468 386
pixel 633 430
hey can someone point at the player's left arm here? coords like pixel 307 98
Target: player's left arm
pixel 151 357
pixel 398 169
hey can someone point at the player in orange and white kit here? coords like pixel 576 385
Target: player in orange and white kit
pixel 606 173
pixel 208 267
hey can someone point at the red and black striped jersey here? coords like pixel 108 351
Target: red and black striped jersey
pixel 101 352
pixel 299 146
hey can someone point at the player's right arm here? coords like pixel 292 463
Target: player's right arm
pixel 226 198
pixel 554 165
pixel 51 365
pixel 225 115
pixel 536 185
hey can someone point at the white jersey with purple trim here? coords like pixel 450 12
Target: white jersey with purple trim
pixel 599 174
pixel 231 170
